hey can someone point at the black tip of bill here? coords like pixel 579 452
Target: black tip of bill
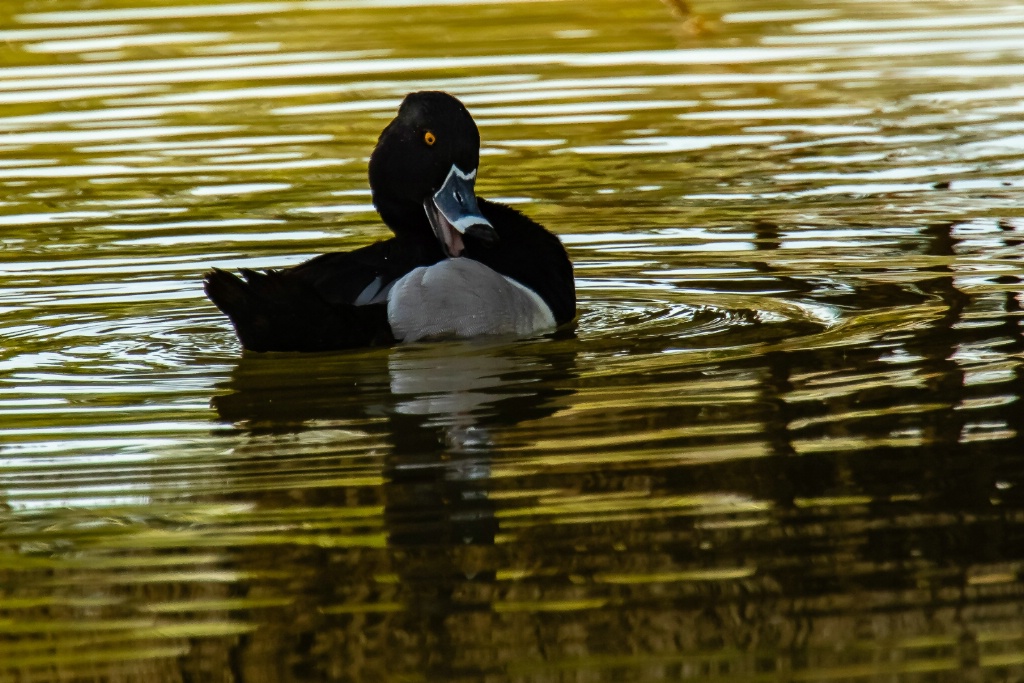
pixel 484 232
pixel 453 212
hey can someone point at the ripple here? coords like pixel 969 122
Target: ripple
pixel 79 45
pixel 667 145
pixel 678 323
pixel 144 13
pixel 792 338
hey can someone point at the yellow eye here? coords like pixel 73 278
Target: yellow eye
pixel 429 138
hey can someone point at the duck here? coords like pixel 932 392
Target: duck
pixel 458 266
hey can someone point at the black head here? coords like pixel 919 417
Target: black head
pixel 432 144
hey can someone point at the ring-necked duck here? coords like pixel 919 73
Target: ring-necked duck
pixel 458 265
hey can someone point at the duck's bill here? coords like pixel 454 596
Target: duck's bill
pixel 453 212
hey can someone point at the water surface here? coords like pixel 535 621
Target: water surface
pixel 783 441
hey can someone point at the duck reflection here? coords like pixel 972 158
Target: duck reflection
pixel 435 407
pixel 454 396
pixel 439 412
pixel 457 385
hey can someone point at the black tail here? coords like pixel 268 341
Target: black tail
pixel 274 312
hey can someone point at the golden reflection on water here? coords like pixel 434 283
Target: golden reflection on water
pixel 783 441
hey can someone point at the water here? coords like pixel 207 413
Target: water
pixel 783 442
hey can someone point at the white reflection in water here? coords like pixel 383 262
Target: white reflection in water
pixel 857 158
pixel 238 188
pixel 856 189
pixel 576 108
pixel 358 88
pixel 744 101
pixel 251 141
pixel 214 238
pixel 196 70
pixel 38 218
pixel 450 380
pixel 101 114
pixel 234 158
pixel 999 17
pixel 70 93
pixel 669 235
pixel 64 461
pixel 104 291
pixel 763 16
pixel 73 137
pixel 227 152
pixel 58 33
pixel 573 119
pixel 1013 144
pixel 959 71
pixel 157 71
pixel 815 113
pixel 334 209
pixel 336 107
pixel 491 98
pixel 126 265
pixel 865 141
pixel 120 42
pixel 50 500
pixel 233 9
pixel 1009 92
pixel 934 47
pixel 89 171
pixel 155 166
pixel 688 78
pixel 516 95
pixel 681 143
pixel 957 33
pixel 881 174
pixel 263 92
pixel 14 163
pixel 144 13
pixel 238 48
pixel 194 224
pixel 540 142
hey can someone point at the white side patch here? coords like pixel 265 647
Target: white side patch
pixel 545 318
pixel 374 293
pixel 463 298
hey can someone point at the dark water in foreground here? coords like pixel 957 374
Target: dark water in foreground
pixel 784 441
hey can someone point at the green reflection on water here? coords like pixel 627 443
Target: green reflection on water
pixel 782 441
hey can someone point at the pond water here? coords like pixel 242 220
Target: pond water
pixel 783 441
